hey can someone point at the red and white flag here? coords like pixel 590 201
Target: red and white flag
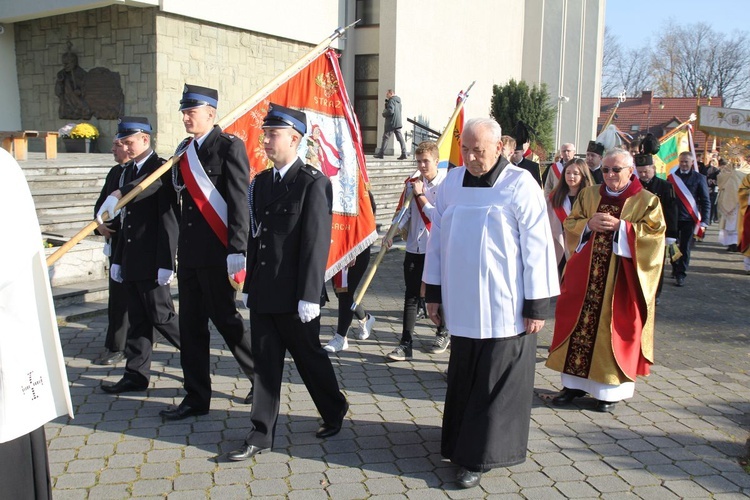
pixel 333 145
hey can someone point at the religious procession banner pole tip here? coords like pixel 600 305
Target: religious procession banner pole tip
pixel 243 108
pixel 407 201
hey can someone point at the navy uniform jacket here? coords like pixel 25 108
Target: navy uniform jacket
pixel 286 262
pixel 696 184
pixel 665 192
pixel 224 159
pixel 148 237
pixel 531 167
pixel 111 184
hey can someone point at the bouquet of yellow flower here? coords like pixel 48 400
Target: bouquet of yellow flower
pixel 84 131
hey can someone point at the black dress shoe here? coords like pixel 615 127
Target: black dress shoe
pixel 247 451
pixel 124 385
pixel 605 406
pixel 110 358
pixel 679 281
pixel 327 430
pixel 181 412
pixel 249 398
pixel 467 478
pixel 379 157
pixel 566 396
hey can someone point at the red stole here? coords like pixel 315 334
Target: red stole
pixel 425 219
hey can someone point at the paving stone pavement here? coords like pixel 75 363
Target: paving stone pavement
pixel 681 436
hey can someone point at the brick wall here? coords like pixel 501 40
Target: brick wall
pixel 236 62
pixel 155 54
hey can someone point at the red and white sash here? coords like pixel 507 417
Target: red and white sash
pixel 207 198
pixel 557 169
pixel 687 199
pixel 563 210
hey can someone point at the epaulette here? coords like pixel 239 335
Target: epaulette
pixel 229 137
pixel 264 172
pixel 312 171
pixel 181 147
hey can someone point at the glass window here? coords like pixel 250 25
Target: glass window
pixel 369 12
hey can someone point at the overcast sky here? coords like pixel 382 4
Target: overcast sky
pixel 637 21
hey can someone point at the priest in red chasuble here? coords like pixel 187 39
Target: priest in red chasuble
pixel 604 321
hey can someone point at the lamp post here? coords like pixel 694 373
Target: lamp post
pixel 560 100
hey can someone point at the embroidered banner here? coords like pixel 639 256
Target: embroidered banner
pixel 333 145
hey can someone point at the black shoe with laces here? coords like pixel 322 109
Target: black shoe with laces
pixel 401 353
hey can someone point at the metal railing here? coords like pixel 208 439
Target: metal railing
pixel 420 133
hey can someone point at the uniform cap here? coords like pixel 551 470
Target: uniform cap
pixel 129 125
pixel 595 147
pixel 194 96
pixel 282 117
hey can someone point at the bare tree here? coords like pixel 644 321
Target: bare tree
pixel 686 58
pixel 624 70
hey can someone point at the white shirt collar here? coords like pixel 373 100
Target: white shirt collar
pixel 139 164
pixel 283 170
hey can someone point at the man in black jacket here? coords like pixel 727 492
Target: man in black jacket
pixel 594 154
pixel 695 194
pixel 644 166
pixel 290 224
pixel 144 258
pixel 117 302
pixel 211 248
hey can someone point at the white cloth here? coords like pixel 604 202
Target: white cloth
pixel 164 276
pixel 416 241
pixel 115 272
pixel 490 249
pixel 33 382
pixel 308 311
pixel 235 263
pixel 597 390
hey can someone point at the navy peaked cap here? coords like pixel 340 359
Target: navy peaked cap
pixel 282 117
pixel 129 125
pixel 194 96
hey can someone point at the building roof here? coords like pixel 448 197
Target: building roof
pixel 632 116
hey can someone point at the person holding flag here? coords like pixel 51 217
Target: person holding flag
pixel 415 225
pixel 694 210
pixel 212 177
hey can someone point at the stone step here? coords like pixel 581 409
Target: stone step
pixel 98 171
pixel 57 223
pixel 70 181
pixel 55 208
pixel 84 300
pixel 88 193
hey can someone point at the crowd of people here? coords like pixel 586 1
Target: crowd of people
pixel 488 246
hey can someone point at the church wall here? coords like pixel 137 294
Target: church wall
pixel 118 38
pixel 235 62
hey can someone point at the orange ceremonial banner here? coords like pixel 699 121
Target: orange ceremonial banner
pixel 333 145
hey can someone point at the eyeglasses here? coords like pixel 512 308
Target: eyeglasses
pixel 617 170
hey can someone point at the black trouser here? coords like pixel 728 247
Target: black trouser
pixel 413 268
pixel 713 196
pixel 400 138
pixel 346 299
pixel 150 307
pixel 117 315
pixel 205 293
pixel 273 335
pixel 685 230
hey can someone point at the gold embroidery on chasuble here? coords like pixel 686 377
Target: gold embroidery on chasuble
pixel 582 339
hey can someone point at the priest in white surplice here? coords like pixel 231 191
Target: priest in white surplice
pixel 491 261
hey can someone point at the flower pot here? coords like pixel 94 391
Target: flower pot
pixel 79 145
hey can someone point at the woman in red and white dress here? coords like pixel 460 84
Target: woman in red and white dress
pixel 577 176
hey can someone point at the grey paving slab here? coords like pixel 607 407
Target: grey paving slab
pixel 681 436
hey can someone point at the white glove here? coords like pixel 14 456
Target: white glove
pixel 244 299
pixel 308 311
pixel 108 206
pixel 115 272
pixel 164 276
pixel 669 241
pixel 704 225
pixel 235 263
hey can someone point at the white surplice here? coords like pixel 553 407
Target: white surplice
pixel 33 382
pixel 490 249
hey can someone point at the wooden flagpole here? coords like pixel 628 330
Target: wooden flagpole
pixel 682 125
pixel 228 119
pixel 407 201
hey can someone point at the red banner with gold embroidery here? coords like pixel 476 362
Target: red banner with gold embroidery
pixel 333 145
